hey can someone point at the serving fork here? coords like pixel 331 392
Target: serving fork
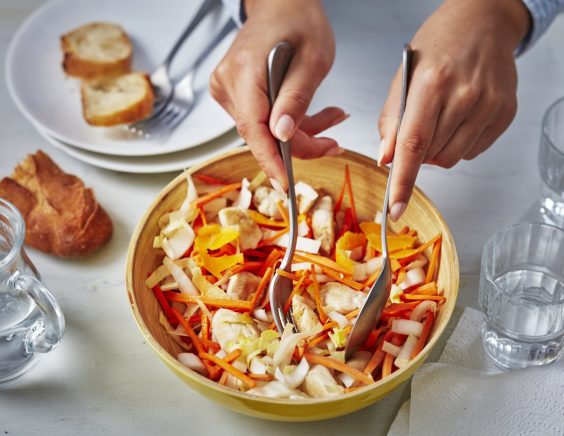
pixel 281 287
pixel 379 293
pixel 176 109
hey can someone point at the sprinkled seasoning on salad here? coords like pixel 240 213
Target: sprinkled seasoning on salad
pixel 220 250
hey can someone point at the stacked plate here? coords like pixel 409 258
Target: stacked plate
pixel 51 100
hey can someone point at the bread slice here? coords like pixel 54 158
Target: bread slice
pixel 109 101
pixel 62 216
pixel 96 49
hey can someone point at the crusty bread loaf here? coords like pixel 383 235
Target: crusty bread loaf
pixel 96 49
pixel 109 101
pixel 62 216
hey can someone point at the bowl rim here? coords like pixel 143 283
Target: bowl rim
pixel 195 377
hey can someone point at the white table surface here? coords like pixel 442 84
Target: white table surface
pixel 105 380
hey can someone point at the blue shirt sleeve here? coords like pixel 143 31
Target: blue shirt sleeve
pixel 542 13
pixel 236 10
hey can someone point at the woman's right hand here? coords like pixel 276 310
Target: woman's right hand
pixel 239 83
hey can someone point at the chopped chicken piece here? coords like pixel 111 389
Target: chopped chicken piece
pixel 242 285
pixel 323 223
pixel 249 231
pixel 305 317
pixel 306 196
pixel 340 298
pixel 229 327
pixel 265 200
pixel 319 383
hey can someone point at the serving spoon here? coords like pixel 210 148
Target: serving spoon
pixel 380 291
pixel 281 287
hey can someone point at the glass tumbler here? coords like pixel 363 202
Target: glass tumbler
pixel 31 321
pixel 551 164
pixel 522 295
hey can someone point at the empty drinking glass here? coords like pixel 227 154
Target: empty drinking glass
pixel 551 164
pixel 31 321
pixel 522 295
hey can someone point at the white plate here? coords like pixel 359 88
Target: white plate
pixel 51 100
pixel 150 164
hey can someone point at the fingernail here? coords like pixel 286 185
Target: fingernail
pixel 340 119
pixel 284 127
pixel 334 151
pixel 397 210
pixel 381 151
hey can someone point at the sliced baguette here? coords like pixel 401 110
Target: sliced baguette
pixel 96 49
pixel 110 101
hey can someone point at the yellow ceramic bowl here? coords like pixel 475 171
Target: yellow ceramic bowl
pixel 369 183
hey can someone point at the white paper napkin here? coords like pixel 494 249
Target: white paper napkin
pixel 466 394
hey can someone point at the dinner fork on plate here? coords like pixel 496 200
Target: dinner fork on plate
pixel 160 78
pixel 161 124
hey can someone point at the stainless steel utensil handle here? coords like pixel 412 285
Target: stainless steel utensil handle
pixel 225 30
pixel 278 63
pixel 406 68
pixel 206 6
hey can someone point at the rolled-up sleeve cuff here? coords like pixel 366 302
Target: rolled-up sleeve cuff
pixel 236 10
pixel 542 13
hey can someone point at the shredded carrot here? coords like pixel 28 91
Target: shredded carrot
pixel 351 389
pixel 202 216
pixel 261 377
pixel 214 346
pixel 288 275
pixel 433 263
pixel 283 212
pixel 371 279
pixel 410 253
pixel 377 357
pixel 205 199
pixel 274 237
pixel 396 308
pixel 249 382
pixel 427 324
pixel 321 261
pixel 223 378
pixel 205 326
pixel 352 314
pixel 351 198
pixel 209 301
pixel 272 258
pixel 195 341
pixel 263 220
pixel 297 289
pixel 426 289
pixel 318 339
pixel 243 267
pixel 339 366
pixel 209 179
pixel 422 297
pixel 317 297
pixel 344 280
pixel 234 355
pixel 261 287
pixel 387 365
pixel 341 197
